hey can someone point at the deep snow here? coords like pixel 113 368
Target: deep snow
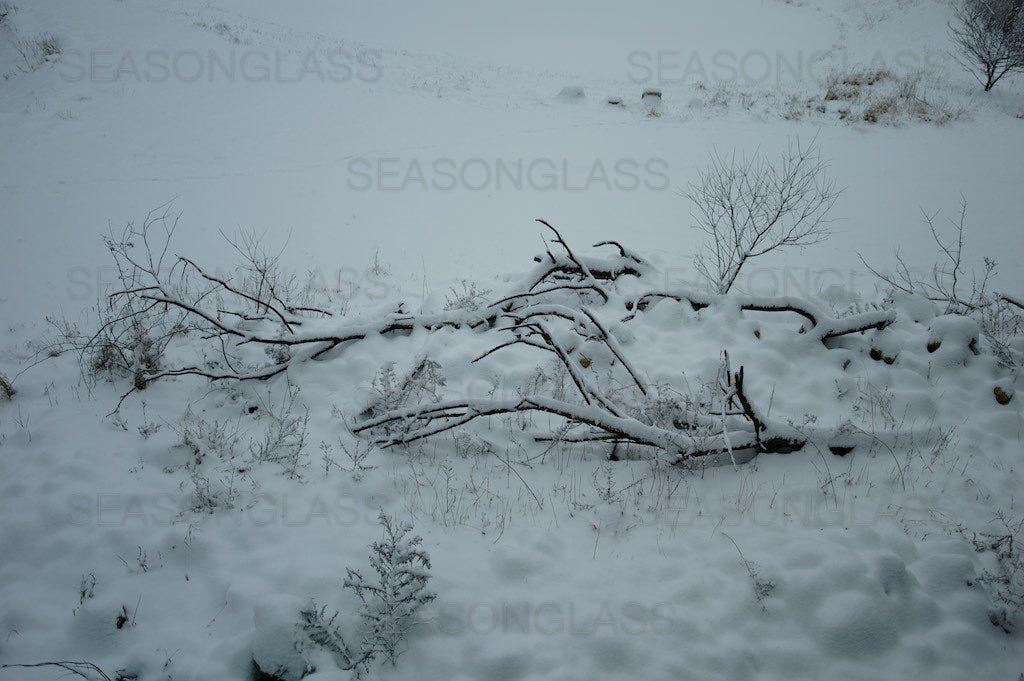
pixel 381 173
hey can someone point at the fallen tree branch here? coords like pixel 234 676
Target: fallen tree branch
pixel 425 421
pixel 823 325
pixel 86 670
pixel 562 307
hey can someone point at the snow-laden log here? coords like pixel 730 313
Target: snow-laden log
pixel 1016 301
pixel 822 324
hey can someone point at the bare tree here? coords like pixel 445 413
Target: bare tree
pixel 748 207
pixel 988 36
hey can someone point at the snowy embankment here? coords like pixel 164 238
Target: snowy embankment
pixel 574 484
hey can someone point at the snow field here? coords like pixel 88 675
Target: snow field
pixel 384 182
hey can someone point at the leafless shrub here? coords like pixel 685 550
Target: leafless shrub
pixel 357 454
pixel 748 207
pixel 208 496
pixel 133 334
pixel 951 283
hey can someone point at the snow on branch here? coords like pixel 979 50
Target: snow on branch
pixel 172 316
pixel 823 325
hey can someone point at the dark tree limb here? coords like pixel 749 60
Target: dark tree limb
pixel 822 324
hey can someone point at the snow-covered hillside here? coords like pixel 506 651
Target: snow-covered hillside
pixel 391 160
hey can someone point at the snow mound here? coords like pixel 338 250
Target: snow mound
pixel 572 93
pixel 274 648
pixel 953 340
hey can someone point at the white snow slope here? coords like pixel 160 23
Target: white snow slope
pixel 398 153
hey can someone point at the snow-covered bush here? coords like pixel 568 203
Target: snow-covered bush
pixel 468 298
pixel 392 390
pixel 391 600
pixel 852 83
pixel 877 95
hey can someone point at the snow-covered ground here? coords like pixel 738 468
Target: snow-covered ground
pixel 399 153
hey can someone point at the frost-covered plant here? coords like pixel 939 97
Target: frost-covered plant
pixel 86 590
pixel 390 602
pixel 357 455
pixel 1003 327
pixel 377 267
pixel 393 391
pixel 206 497
pixel 204 438
pixel 1005 583
pixel 284 441
pixel 468 298
pixel 763 587
pixel 662 407
pixel 606 486
pixel 322 631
